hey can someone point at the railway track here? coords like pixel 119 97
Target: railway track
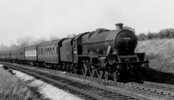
pixel 85 91
pixel 98 89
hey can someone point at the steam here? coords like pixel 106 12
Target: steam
pixel 25 41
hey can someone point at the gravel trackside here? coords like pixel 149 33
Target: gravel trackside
pixel 11 88
pixel 47 91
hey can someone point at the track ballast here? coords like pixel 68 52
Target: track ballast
pixel 98 89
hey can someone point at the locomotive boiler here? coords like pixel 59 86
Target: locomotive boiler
pixel 107 42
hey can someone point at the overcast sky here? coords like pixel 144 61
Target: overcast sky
pixel 58 18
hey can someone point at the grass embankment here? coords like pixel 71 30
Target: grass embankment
pixel 161 56
pixel 11 88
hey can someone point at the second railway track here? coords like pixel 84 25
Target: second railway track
pixel 86 88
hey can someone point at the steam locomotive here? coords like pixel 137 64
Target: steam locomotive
pixel 105 54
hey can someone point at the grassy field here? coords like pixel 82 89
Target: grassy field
pixel 12 88
pixel 160 53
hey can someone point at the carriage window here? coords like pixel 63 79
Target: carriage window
pixel 45 51
pixel 52 52
pixel 40 50
pixel 48 51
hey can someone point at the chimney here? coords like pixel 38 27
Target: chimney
pixel 119 26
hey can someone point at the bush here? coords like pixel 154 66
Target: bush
pixel 165 33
